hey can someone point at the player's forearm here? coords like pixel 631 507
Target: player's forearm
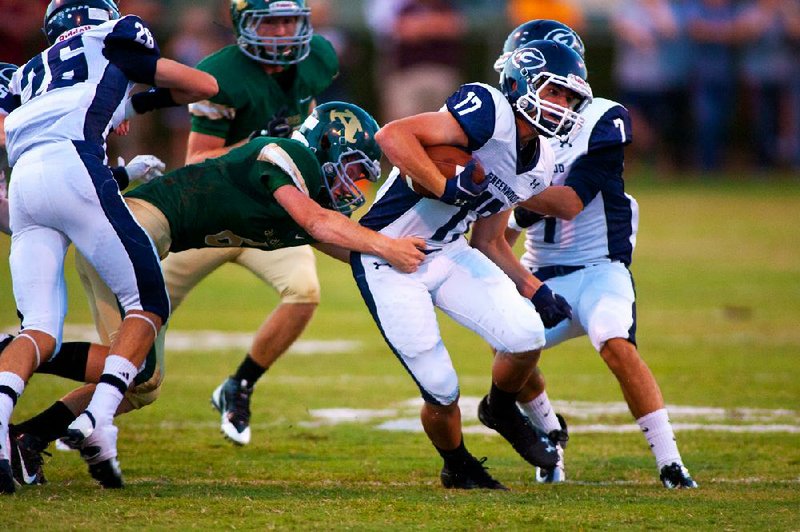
pixel 186 84
pixel 499 252
pixel 335 228
pixel 557 200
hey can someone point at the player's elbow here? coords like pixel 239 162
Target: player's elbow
pixel 206 86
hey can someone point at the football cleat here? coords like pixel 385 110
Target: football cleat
pixel 99 451
pixel 531 443
pixel 676 476
pixel 26 460
pixel 469 476
pixel 232 401
pixel 559 438
pixel 80 429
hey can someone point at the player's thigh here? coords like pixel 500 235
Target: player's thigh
pixel 103 304
pixel 185 269
pixel 569 287
pixel 37 263
pixel 608 304
pixel 292 271
pixel 402 308
pixel 480 296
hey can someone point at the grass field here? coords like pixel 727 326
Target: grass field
pixel 336 442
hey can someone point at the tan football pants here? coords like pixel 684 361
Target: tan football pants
pixel 291 272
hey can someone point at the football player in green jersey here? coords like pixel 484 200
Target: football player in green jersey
pixel 268 84
pixel 270 193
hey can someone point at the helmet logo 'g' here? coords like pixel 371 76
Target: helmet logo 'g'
pixel 530 58
pixel 352 124
pixel 239 4
pixel 563 36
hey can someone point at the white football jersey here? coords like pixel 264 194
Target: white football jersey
pixel 488 121
pixel 76 90
pixel 606 229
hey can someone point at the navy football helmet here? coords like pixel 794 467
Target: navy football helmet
pixel 6 71
pixel 539 30
pixel 248 15
pixel 342 136
pixel 64 15
pixel 538 69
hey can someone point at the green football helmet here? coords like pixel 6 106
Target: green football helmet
pixel 275 49
pixel 342 136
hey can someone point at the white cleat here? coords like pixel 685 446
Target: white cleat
pixel 99 451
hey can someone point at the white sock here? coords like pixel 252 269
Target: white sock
pixel 541 413
pixel 15 382
pixel 107 397
pixel 658 431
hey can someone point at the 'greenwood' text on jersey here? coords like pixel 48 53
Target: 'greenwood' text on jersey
pixel 488 121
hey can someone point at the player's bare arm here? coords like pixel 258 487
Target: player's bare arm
pixel 560 201
pixel 403 141
pixel 186 84
pixel 330 227
pixel 201 146
pixel 488 236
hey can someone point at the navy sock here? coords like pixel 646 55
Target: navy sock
pixel 248 371
pixel 501 401
pixel 48 425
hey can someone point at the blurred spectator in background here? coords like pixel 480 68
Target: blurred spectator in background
pixel 767 63
pixel 195 37
pixel 21 34
pixel 323 21
pixel 711 27
pixel 564 11
pixel 650 73
pixel 419 65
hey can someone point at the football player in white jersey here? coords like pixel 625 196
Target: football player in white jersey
pixel 70 96
pixel 478 283
pixel 583 249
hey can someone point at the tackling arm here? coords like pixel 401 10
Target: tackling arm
pixel 330 227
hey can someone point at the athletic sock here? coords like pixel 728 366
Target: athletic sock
pixel 249 370
pixel 541 413
pixel 48 425
pixel 118 373
pixel 455 458
pixel 11 386
pixel 658 431
pixel 501 401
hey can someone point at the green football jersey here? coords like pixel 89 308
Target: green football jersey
pixel 228 201
pixel 249 98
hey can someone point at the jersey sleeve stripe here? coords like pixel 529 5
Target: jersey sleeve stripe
pixel 274 154
pixel 212 111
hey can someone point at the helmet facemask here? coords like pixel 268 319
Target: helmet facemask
pixel 552 119
pixel 339 179
pixel 270 49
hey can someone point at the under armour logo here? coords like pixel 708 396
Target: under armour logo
pixel 550 449
pixel 379 264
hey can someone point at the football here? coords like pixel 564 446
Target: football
pixel 450 160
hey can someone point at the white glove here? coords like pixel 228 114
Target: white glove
pixel 143 168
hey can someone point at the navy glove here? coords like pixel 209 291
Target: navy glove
pixel 552 308
pixel 461 191
pixel 277 127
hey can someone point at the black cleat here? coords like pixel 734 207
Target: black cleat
pixel 472 475
pixel 531 443
pixel 232 400
pixel 99 451
pixel 26 459
pixel 676 476
pixel 107 473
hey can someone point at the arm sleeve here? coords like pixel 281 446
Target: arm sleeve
pixel 130 46
pixel 590 173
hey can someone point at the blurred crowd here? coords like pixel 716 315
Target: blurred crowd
pixel 711 84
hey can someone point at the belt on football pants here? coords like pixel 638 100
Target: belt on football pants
pixel 548 272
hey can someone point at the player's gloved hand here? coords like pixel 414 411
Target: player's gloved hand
pixel 277 127
pixel 143 168
pixel 461 190
pixel 552 308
